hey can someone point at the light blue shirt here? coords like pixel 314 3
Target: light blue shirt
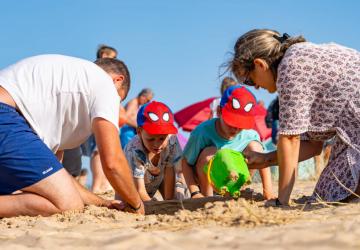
pixel 205 135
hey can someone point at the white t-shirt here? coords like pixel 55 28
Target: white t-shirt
pixel 59 96
pixel 213 107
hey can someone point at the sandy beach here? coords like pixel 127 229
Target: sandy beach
pixel 244 224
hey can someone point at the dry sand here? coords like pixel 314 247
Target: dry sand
pixel 241 224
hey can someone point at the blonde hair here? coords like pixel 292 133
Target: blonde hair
pixel 226 83
pixel 265 44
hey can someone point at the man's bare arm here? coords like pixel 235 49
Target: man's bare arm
pixel 114 163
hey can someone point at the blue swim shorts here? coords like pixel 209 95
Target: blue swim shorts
pixel 24 157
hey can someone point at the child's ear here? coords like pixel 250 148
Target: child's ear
pixel 138 130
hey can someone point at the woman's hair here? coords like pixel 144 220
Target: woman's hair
pixel 265 44
pixel 226 83
pixel 104 50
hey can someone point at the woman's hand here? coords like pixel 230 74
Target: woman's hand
pixel 255 160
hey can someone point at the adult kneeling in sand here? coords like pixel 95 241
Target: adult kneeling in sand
pixel 319 93
pixel 49 103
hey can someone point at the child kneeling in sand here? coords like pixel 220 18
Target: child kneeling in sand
pixel 232 129
pixel 154 154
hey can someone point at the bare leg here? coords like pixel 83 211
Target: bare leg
pixel 265 173
pixel 82 179
pixel 319 164
pixel 100 183
pixel 54 194
pixel 204 157
pixel 327 153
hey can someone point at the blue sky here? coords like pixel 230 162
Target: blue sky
pixel 173 47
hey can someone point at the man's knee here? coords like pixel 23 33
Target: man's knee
pixel 60 190
pixel 73 204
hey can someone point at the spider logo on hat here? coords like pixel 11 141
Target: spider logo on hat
pixel 156 118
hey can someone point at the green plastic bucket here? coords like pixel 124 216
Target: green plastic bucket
pixel 227 171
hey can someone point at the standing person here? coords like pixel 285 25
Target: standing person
pixel 72 157
pixel 319 92
pixel 100 183
pixel 105 51
pixel 232 130
pixel 225 83
pixel 272 119
pixel 128 131
pixel 154 154
pixel 49 103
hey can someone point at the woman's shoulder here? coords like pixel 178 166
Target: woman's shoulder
pixel 316 51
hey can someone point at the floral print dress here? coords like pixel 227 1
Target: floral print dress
pixel 319 94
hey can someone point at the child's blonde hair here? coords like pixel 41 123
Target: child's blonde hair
pixel 265 44
pixel 226 83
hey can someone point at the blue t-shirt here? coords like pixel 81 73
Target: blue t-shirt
pixel 205 135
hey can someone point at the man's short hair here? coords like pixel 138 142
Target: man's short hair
pixel 115 66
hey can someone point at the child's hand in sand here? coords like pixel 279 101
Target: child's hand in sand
pixel 115 204
pixel 199 195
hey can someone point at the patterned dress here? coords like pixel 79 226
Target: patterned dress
pixel 319 93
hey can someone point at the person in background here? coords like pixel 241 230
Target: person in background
pixel 72 161
pixel 100 183
pixel 272 119
pixel 128 131
pixel 105 51
pixel 225 83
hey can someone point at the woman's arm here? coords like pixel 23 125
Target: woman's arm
pixel 265 174
pixel 256 160
pixel 287 156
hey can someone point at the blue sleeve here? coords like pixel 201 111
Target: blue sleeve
pixel 194 146
pixel 251 135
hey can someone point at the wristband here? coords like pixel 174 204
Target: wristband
pixel 195 193
pixel 133 208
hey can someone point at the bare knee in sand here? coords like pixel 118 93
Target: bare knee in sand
pixel 54 194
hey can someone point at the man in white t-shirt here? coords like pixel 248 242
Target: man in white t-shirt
pixel 49 103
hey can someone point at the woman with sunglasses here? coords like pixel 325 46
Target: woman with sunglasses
pixel 319 93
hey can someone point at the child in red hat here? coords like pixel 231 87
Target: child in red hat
pixel 233 130
pixel 154 154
